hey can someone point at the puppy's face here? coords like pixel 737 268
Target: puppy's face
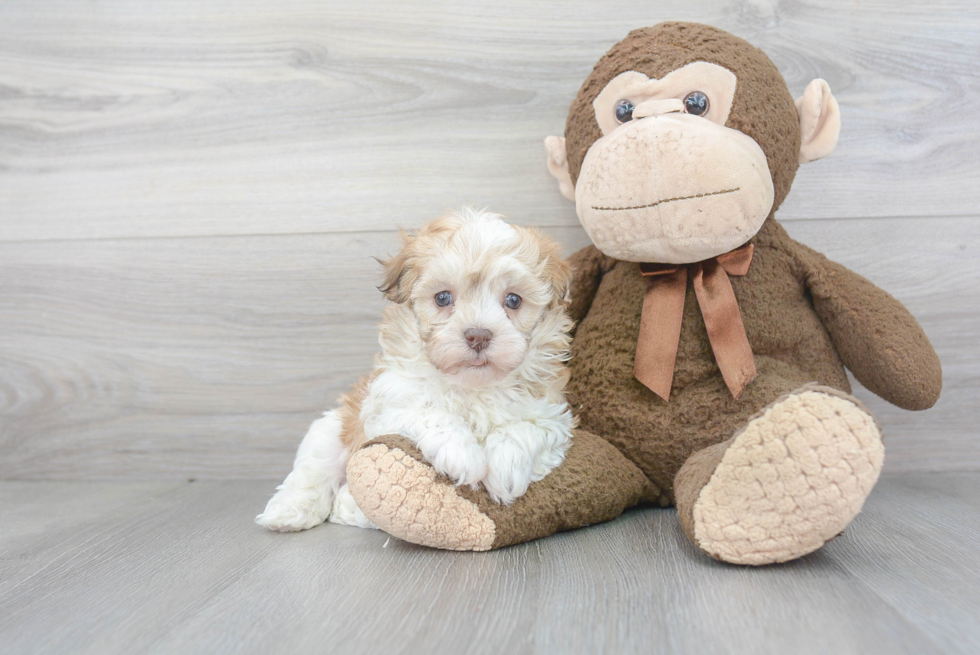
pixel 478 287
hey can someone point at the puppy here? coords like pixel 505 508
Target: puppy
pixel 473 342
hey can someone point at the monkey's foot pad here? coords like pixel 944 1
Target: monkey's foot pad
pixel 407 499
pixel 790 481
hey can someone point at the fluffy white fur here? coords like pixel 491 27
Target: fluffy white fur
pixel 493 416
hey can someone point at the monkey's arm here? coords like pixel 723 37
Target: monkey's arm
pixel 588 266
pixel 877 338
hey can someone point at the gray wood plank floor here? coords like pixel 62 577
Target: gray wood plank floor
pixel 123 567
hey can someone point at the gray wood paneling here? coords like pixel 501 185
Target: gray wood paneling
pixel 183 569
pixel 208 357
pixel 190 194
pixel 127 118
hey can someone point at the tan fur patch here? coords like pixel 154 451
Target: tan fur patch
pixel 349 410
pixel 791 481
pixel 406 499
pixel 543 256
pixel 403 270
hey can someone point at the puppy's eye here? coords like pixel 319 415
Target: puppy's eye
pixel 444 298
pixel 624 110
pixel 512 301
pixel 696 103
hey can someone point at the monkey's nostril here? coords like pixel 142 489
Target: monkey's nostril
pixel 477 338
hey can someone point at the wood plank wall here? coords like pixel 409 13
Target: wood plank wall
pixel 191 194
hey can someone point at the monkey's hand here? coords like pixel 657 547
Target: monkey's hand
pixel 877 338
pixel 588 266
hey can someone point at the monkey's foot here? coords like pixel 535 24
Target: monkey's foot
pixel 404 496
pixel 790 481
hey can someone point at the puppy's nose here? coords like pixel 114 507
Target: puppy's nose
pixel 477 338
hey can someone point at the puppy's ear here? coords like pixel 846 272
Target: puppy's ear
pixel 400 271
pixel 561 278
pixel 555 269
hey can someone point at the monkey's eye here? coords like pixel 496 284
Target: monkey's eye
pixel 696 103
pixel 624 111
pixel 512 301
pixel 443 298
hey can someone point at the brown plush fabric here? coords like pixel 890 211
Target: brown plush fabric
pixel 763 107
pixel 588 266
pixel 878 340
pixel 792 347
pixel 595 483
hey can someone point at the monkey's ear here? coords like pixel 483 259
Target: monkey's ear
pixel 819 121
pixel 558 165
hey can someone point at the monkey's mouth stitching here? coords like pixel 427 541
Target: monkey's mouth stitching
pixel 660 202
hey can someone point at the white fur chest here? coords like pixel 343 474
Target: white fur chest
pixel 399 402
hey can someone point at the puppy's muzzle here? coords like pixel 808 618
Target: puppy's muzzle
pixel 477 339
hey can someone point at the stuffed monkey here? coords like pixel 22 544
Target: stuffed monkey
pixel 708 363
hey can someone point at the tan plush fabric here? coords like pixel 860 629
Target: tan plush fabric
pixel 404 497
pixel 790 481
pixel 695 190
pixel 819 121
pixel 665 93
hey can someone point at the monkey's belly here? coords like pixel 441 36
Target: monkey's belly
pixel 659 436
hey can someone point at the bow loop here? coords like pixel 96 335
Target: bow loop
pixel 737 261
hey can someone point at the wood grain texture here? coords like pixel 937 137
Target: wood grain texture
pixel 181 568
pixel 209 357
pixel 190 195
pixel 119 119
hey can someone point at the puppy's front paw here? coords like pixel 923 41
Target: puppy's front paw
pixel 464 462
pixel 290 511
pixel 510 468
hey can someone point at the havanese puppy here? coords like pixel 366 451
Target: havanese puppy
pixel 473 342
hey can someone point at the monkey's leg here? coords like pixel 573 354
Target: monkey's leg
pixel 398 491
pixel 786 483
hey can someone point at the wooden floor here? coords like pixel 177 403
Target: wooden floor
pixel 127 567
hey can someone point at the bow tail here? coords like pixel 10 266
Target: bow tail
pixel 724 323
pixel 660 331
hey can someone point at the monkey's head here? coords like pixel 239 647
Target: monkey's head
pixel 682 141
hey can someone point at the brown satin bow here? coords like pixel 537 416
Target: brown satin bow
pixel 663 312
